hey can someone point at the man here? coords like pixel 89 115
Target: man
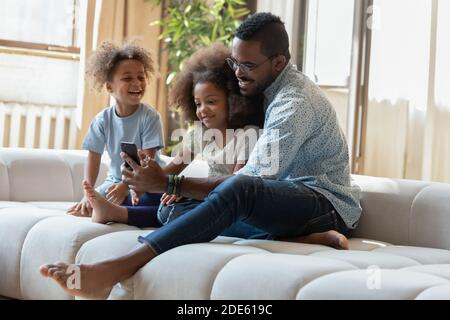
pixel 306 188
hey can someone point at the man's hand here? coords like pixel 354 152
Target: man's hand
pixel 117 193
pixel 81 209
pixel 147 177
pixel 167 199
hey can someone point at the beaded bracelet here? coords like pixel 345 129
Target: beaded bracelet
pixel 178 188
pixel 170 185
pixel 174 184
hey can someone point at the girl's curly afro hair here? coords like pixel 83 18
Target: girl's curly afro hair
pixel 209 65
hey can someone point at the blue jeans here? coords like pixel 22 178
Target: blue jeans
pixel 279 208
pixel 240 229
pixel 144 214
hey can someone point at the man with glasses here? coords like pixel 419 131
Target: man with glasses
pixel 305 192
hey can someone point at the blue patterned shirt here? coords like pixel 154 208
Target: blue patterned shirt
pixel 303 143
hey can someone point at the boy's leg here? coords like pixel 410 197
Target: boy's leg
pixel 142 216
pixel 147 199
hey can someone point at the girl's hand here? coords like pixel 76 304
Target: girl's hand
pixel 167 199
pixel 117 193
pixel 81 209
pixel 135 195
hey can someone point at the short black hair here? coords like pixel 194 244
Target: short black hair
pixel 269 30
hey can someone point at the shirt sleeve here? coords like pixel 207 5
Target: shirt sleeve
pixel 95 139
pixel 152 136
pixel 290 122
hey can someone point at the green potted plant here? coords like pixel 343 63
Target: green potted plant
pixel 188 25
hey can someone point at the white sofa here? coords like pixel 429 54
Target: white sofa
pixel 399 251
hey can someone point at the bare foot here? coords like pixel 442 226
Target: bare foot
pixel 103 210
pixel 86 281
pixel 329 238
pixel 95 281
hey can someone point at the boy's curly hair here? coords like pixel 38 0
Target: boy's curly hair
pixel 103 61
pixel 209 65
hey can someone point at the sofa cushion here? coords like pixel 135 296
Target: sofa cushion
pixel 435 293
pixel 386 207
pixel 271 276
pixel 15 223
pixel 371 284
pixel 53 240
pixel 430 217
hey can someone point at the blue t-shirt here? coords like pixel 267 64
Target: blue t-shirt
pixel 107 129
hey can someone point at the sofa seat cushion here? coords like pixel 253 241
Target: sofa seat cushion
pixel 435 293
pixel 14 204
pixel 57 205
pixel 15 223
pixel 371 284
pixel 53 240
pixel 233 268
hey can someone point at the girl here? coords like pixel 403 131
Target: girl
pixel 124 72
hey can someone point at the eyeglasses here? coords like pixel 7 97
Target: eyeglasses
pixel 246 67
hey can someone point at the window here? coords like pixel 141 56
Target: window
pixel 44 25
pixel 329 41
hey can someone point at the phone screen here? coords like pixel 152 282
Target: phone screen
pixel 131 150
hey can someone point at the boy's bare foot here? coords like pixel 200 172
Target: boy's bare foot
pixel 329 238
pixel 86 281
pixel 103 210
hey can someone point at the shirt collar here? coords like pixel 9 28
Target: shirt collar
pixel 272 90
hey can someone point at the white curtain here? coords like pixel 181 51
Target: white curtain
pixel 408 129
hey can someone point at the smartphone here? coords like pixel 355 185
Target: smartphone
pixel 131 150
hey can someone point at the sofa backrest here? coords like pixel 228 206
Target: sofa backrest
pixel 398 211
pixel 43 175
pixel 404 212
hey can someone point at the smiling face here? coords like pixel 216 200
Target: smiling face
pixel 262 69
pixel 128 83
pixel 212 106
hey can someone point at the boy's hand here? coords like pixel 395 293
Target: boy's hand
pixel 117 193
pixel 81 209
pixel 167 199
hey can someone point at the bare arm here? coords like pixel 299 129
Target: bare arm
pixel 91 170
pixel 92 167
